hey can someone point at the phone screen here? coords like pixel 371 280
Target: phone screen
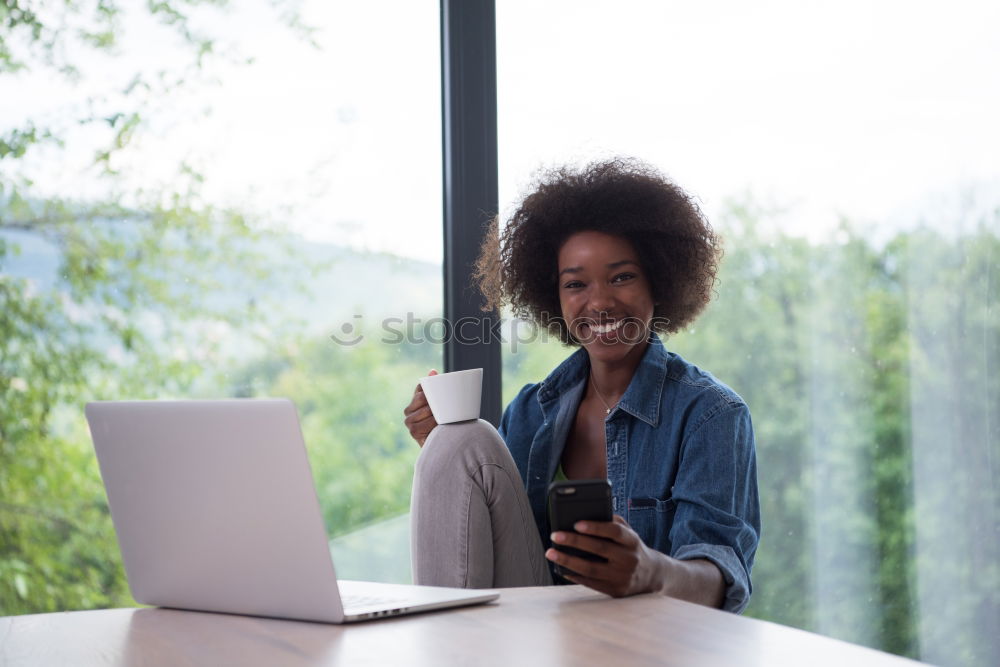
pixel 578 500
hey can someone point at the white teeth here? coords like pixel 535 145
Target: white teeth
pixel 603 329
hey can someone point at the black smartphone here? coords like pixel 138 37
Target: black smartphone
pixel 578 500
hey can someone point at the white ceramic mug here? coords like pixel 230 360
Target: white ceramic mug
pixel 454 397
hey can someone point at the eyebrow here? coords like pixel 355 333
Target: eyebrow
pixel 612 265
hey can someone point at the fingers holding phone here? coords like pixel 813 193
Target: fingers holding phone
pixel 620 563
pixel 569 503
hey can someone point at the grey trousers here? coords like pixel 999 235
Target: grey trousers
pixel 471 525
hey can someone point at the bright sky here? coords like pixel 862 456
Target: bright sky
pixel 872 110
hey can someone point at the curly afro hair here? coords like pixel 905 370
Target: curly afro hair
pixel 677 247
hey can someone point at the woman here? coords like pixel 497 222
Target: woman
pixel 605 258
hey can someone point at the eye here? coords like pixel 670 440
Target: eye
pixel 573 284
pixel 622 277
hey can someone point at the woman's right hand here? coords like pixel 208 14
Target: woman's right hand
pixel 419 419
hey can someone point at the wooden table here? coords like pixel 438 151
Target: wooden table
pixel 558 625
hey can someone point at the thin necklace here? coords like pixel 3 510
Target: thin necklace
pixel 593 382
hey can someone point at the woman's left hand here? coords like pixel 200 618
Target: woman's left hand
pixel 632 567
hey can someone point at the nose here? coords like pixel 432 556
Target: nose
pixel 602 298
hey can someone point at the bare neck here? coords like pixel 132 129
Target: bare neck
pixel 613 378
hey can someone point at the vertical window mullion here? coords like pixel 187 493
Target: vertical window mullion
pixel 469 142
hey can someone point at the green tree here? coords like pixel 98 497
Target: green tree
pixel 867 368
pixel 949 282
pixel 129 311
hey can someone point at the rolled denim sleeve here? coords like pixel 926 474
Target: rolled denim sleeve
pixel 715 492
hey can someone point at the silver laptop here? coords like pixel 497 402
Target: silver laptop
pixel 215 510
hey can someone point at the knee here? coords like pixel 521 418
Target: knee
pixel 472 441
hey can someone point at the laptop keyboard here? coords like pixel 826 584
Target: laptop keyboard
pixel 354 601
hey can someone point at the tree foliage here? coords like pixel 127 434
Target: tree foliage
pixel 867 370
pixel 129 311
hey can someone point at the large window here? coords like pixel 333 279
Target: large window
pixel 200 202
pixel 204 202
pixel 846 154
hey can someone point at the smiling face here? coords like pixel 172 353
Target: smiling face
pixel 604 295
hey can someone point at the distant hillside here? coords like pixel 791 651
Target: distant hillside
pixel 374 285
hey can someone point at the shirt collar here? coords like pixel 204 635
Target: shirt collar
pixel 642 399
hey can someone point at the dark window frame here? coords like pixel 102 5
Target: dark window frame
pixel 469 144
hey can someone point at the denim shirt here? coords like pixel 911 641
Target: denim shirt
pixel 680 459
